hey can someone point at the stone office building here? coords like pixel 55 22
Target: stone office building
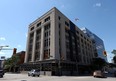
pixel 56 45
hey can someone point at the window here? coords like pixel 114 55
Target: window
pixel 47 19
pixel 68 55
pixel 59 17
pixel 67 37
pixel 85 38
pixel 46 56
pixel 32 28
pixel 49 41
pixel 29 57
pixel 49 32
pixel 31 41
pixel 66 23
pixel 37 45
pixel 47 26
pixel 46 34
pixel 67 45
pixel 49 52
pixel 38 31
pixel 66 30
pixel 37 55
pixel 82 40
pixel 46 43
pixel 39 24
pixel 30 48
pixel 77 32
pixel 37 38
pixel 59 25
pixel 77 37
pixel 81 35
pixel 31 35
pixel 85 43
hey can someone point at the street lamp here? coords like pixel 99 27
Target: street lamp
pixel 6 46
pixel 3 46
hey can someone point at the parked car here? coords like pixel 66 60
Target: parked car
pixel 1 73
pixel 98 73
pixel 34 72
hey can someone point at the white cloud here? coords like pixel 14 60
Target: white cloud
pixel 18 46
pixel 97 5
pixel 1 53
pixel 2 38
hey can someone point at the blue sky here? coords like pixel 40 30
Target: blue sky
pixel 99 16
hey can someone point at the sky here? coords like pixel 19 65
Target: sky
pixel 99 16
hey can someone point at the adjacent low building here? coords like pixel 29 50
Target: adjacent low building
pixel 56 46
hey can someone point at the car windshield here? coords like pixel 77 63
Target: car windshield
pixel 36 70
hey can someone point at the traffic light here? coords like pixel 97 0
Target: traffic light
pixel 104 53
pixel 14 51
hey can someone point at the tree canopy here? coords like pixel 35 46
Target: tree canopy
pixel 114 58
pixel 10 62
pixel 114 52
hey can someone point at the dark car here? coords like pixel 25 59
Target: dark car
pixel 1 73
pixel 34 72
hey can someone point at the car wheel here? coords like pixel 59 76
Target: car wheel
pixel 33 75
pixel 1 76
pixel 28 74
pixel 95 76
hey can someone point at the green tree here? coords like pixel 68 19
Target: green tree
pixel 114 52
pixel 7 64
pixel 114 58
pixel 11 62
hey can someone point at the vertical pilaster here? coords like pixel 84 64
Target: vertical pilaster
pixel 42 43
pixel 52 36
pixel 26 54
pixel 33 49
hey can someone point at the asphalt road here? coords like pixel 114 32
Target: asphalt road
pixel 24 77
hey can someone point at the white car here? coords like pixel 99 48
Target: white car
pixel 34 72
pixel 98 73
